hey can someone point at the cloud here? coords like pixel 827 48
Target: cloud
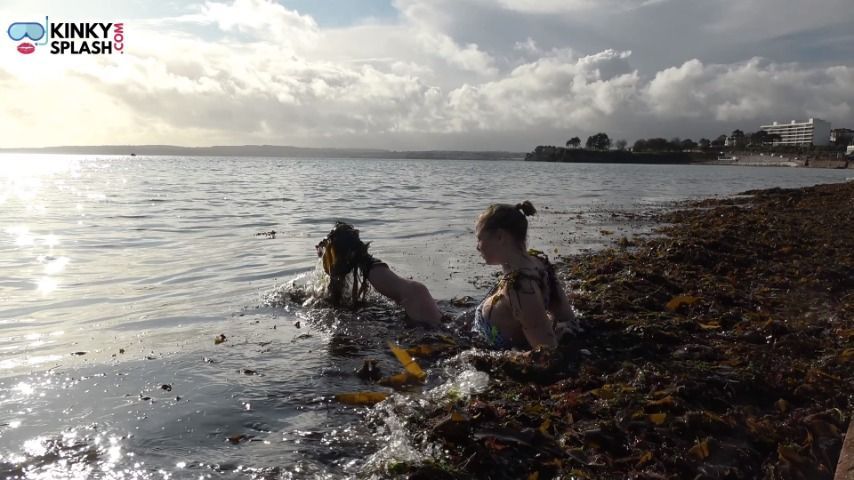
pixel 467 57
pixel 675 90
pixel 554 90
pixel 261 20
pixel 751 91
pixel 252 71
pixel 575 6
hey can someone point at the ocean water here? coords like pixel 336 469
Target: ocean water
pixel 118 273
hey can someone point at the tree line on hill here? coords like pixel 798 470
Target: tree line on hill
pixel 759 140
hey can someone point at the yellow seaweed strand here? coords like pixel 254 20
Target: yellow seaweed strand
pixel 408 363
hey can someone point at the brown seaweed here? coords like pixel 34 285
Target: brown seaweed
pixel 721 349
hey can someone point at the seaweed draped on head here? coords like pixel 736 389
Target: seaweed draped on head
pixel 343 252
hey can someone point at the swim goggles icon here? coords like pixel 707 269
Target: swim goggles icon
pixel 32 30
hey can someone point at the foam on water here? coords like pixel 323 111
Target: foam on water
pixel 457 380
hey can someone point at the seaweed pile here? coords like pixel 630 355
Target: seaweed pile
pixel 721 349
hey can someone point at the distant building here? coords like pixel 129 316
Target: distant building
pixel 843 135
pixel 812 132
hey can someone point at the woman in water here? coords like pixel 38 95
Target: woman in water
pixel 344 253
pixel 522 309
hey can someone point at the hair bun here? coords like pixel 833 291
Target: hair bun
pixel 527 208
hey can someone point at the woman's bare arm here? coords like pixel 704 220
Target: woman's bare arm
pixel 561 310
pixel 529 311
pixel 411 295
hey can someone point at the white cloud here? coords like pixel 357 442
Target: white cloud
pixel 261 20
pixel 553 90
pixel 260 73
pixel 468 58
pixel 424 21
pixel 753 90
pixel 674 91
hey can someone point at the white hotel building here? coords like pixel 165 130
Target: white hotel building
pixel 812 132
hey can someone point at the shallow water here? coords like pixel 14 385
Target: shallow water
pixel 119 272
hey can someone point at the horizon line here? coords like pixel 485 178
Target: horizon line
pixel 264 145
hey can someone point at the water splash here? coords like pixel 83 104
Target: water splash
pixel 397 444
pixel 461 387
pixel 305 290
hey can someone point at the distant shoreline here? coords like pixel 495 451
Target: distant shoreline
pixel 733 158
pixel 268 151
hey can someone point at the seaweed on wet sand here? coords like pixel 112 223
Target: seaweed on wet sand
pixel 722 349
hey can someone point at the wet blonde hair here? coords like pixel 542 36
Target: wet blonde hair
pixel 510 218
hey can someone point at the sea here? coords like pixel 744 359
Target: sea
pixel 153 312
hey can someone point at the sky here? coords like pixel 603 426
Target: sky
pixel 427 74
